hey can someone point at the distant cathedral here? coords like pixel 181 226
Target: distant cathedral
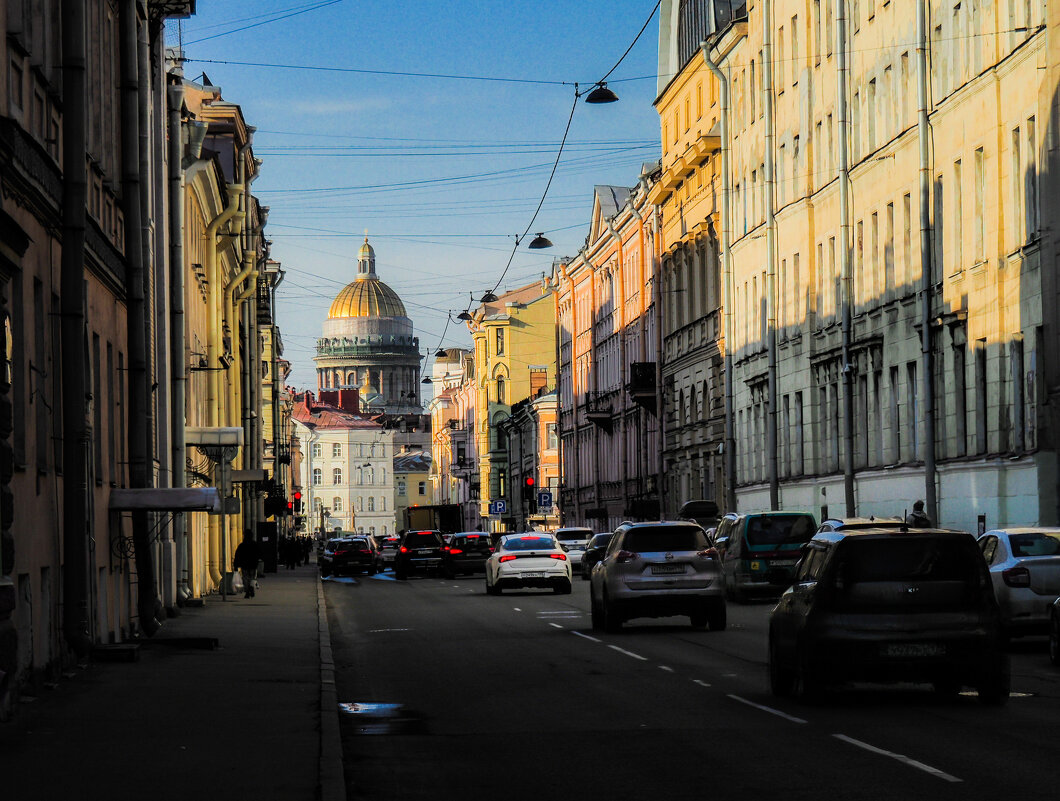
pixel 368 344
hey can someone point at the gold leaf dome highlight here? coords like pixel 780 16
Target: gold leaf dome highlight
pixel 367 296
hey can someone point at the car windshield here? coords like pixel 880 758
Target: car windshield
pixel 357 545
pixel 666 538
pixel 573 534
pixel 1035 543
pixel 529 544
pixel 779 529
pixel 908 559
pixel 600 541
pixel 422 539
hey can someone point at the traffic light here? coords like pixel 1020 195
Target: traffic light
pixel 529 482
pixel 275 506
pixel 297 502
pixel 528 492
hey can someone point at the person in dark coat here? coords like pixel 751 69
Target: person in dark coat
pixel 245 561
pixel 918 517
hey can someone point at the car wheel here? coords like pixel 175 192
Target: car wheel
pixel 1054 639
pixel 612 622
pixel 449 574
pixel 994 690
pixel 810 686
pixel 717 617
pixel 698 619
pixel 562 588
pixel 324 572
pixel 372 571
pixel 400 575
pixel 596 614
pixel 946 688
pixel 781 679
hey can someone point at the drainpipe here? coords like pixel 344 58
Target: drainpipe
pixel 642 428
pixel 559 405
pixel 72 333
pixel 726 266
pixel 136 282
pixel 927 288
pixel 660 464
pixel 771 255
pixel 574 392
pixel 177 334
pixel 623 456
pixel 277 471
pixel 846 271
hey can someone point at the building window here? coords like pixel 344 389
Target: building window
pixel 371 503
pixel 500 390
pixel 336 475
pixel 553 438
pixel 401 488
pixel 422 488
pixel 336 504
pixel 317 450
pixel 336 450
pixel 980 206
pixel 500 341
pixel 318 476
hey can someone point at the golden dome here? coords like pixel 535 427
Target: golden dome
pixel 367 297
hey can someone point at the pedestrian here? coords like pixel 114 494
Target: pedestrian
pixel 245 561
pixel 918 517
pixel 290 553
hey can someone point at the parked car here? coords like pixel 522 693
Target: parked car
pixel 1054 632
pixel 658 570
pixel 852 523
pixel 466 552
pixel 759 551
pixel 885 605
pixel 573 540
pixel 528 560
pixel 594 552
pixel 1024 566
pixel 419 552
pixel 350 555
pixel 388 548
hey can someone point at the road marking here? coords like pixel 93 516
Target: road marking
pixel 628 653
pixel 700 683
pixel 584 636
pixel 383 631
pixel 555 625
pixel 667 669
pixel 768 709
pixel 517 609
pixel 728 675
pixel 900 757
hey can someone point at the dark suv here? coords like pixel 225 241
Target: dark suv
pixel 466 553
pixel 887 605
pixel 350 555
pixel 420 551
pixel 759 551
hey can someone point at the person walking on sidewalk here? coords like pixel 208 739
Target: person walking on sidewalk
pixel 245 561
pixel 918 517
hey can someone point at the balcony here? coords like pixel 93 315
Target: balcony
pixel 599 409
pixel 641 386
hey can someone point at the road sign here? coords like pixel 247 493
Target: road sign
pixel 499 507
pixel 544 500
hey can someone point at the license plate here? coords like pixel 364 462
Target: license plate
pixel 531 575
pixel 913 650
pixel 667 570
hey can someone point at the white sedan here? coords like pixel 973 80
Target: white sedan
pixel 528 560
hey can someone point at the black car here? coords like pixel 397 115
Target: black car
pixel 594 552
pixel 349 555
pixel 886 605
pixel 466 553
pixel 420 551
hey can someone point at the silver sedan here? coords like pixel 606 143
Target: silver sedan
pixel 1025 570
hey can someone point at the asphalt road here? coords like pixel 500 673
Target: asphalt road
pixel 515 697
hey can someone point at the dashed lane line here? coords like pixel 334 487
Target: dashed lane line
pixel 768 709
pixel 701 683
pixel 585 636
pixel 555 625
pixel 899 757
pixel 667 669
pixel 628 653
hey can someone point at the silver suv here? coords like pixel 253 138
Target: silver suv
pixel 658 569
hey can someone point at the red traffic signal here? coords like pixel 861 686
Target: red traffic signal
pixel 529 481
pixel 297 495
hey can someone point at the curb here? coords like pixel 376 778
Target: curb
pixel 332 774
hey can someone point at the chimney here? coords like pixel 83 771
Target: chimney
pixel 329 397
pixel 538 381
pixel 350 400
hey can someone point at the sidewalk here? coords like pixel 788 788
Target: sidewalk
pixel 255 717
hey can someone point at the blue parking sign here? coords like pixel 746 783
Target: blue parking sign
pixel 544 500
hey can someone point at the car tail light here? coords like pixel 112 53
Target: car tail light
pixel 507 558
pixel 492 549
pixel 625 556
pixel 404 549
pixel 709 553
pixel 454 550
pixel 1017 577
pixel 561 556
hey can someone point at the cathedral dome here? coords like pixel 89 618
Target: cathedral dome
pixel 367 296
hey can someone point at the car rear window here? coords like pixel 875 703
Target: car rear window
pixel 422 539
pixel 529 544
pixel 472 541
pixel 665 538
pixel 779 529
pixel 908 559
pixel 576 534
pixel 1037 543
pixel 600 541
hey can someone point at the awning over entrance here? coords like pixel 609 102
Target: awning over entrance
pixel 152 499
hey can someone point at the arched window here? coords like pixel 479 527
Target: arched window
pixel 336 504
pixel 369 476
pixel 500 389
pixel 360 504
pixel 371 503
pixel 336 475
pixel 317 449
pixel 382 475
pixel 318 476
pixel 360 476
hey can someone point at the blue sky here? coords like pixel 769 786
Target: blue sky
pixel 443 173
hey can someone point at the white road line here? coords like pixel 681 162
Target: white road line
pixel 700 683
pixel 667 669
pixel 555 625
pixel 900 757
pixel 768 709
pixel 628 653
pixel 584 636
pixel 517 609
